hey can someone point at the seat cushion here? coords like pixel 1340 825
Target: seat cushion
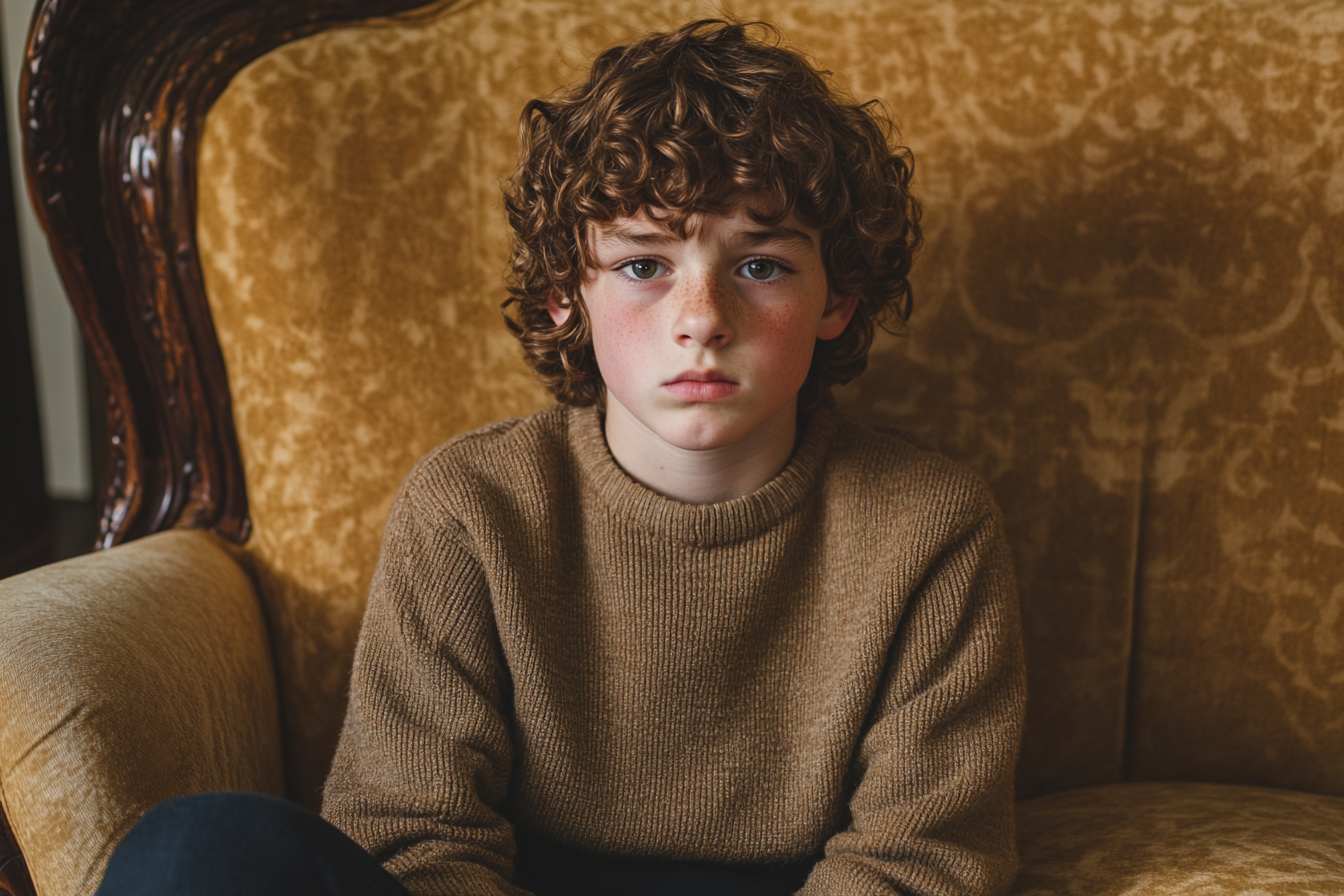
pixel 1184 838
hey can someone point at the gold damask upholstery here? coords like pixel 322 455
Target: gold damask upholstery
pixel 1129 319
pixel 1180 840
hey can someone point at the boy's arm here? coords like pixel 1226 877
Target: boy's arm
pixel 932 812
pixel 425 753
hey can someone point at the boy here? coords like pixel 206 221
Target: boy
pixel 689 631
pixel 666 620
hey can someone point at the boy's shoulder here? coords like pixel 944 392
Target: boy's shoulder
pixel 521 466
pixel 482 445
pixel 875 464
pixel 505 450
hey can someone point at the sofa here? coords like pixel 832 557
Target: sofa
pixel 280 225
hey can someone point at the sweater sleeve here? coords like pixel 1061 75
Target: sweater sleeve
pixel 932 809
pixel 424 756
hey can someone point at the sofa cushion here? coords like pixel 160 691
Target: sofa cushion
pixel 128 677
pixel 1185 838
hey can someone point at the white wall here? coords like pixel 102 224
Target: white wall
pixel 57 346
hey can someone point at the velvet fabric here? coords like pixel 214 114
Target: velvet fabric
pixel 127 677
pixel 1180 839
pixel 1129 319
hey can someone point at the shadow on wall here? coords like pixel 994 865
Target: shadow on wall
pixel 1129 321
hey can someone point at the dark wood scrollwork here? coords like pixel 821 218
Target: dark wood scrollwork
pixel 113 98
pixel 114 95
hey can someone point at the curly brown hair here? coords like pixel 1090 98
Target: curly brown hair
pixel 695 121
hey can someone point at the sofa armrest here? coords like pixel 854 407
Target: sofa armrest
pixel 127 677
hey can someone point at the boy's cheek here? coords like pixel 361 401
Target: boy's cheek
pixel 621 359
pixel 616 332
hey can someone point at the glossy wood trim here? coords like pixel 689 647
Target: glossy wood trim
pixel 114 95
pixel 113 98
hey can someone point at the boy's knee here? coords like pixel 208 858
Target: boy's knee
pixel 227 817
pixel 192 843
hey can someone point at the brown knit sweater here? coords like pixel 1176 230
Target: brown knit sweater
pixel 833 660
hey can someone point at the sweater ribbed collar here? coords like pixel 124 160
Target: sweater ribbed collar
pixel 699 524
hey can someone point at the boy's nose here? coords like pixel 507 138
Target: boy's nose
pixel 702 311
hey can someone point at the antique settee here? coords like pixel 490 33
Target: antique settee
pixel 280 225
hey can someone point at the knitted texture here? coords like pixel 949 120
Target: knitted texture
pixel 833 660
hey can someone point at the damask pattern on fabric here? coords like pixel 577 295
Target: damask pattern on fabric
pixel 1129 320
pixel 1180 840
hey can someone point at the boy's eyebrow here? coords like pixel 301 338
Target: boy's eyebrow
pixel 622 233
pixel 778 234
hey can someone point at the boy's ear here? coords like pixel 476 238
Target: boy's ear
pixel 839 309
pixel 559 313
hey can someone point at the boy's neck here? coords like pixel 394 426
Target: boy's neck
pixel 704 476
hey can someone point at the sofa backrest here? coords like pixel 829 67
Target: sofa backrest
pixel 1129 319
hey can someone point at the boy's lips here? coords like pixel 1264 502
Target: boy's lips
pixel 701 385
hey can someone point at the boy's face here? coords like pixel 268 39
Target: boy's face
pixel 706 340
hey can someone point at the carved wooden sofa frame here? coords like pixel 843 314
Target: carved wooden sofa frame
pixel 114 96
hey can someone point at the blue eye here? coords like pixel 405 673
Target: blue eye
pixel 642 269
pixel 762 269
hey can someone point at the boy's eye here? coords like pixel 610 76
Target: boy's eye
pixel 762 269
pixel 643 269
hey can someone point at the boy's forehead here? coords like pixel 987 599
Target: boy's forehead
pixel 738 224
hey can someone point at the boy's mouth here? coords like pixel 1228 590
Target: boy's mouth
pixel 702 385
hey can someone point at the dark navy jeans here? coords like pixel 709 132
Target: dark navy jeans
pixel 225 844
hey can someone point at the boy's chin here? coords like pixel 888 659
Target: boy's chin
pixel 717 429
pixel 702 426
